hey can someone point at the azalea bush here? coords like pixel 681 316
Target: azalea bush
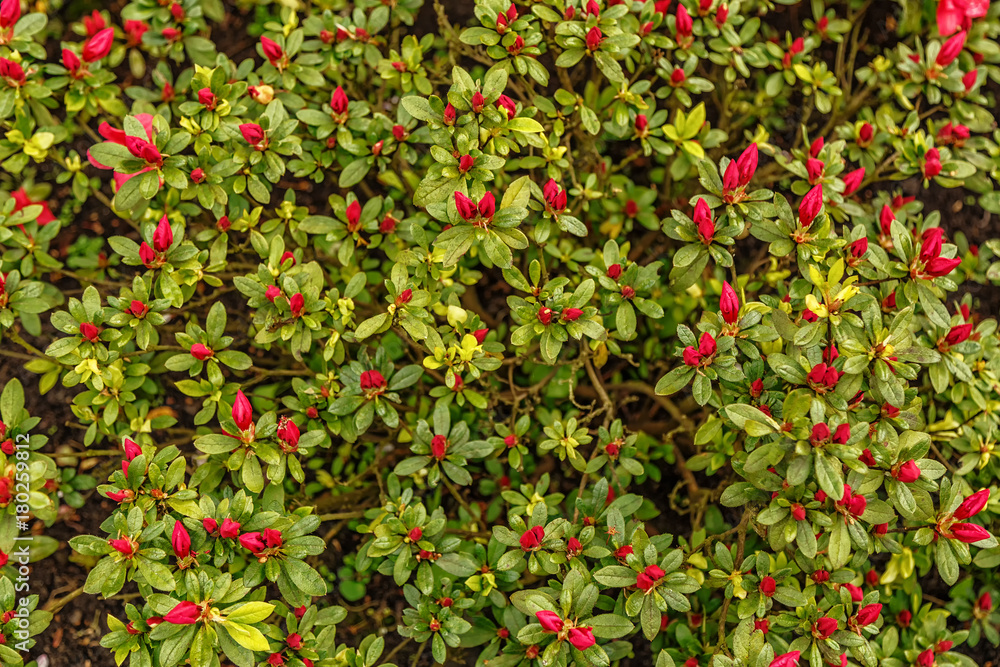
pixel 551 333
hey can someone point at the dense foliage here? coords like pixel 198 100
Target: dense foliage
pixel 563 333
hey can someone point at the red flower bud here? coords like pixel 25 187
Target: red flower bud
pixel 545 315
pixel 532 538
pixel 98 46
pixel 969 80
pixel 594 38
pixel 571 314
pixel 549 621
pixel 729 304
pixel 439 447
pixel 815 168
pixel 184 613
pixel 229 529
pixel 180 541
pixel 950 50
pixel 296 303
pixel 89 332
pixel 939 266
pixel 958 334
pixel 272 50
pixel 138 308
pixel 10 12
pixel 449 114
pixel 242 412
pixel 824 627
pixel 816 146
pixel 201 352
pixel 767 586
pixel 210 525
pixel 684 24
pixel 869 614
pixel 969 533
pixel 973 504
pixel 703 219
pixel 465 163
pixel 69 59
pixel 810 206
pixel 581 638
pixel 123 545
pixel 253 134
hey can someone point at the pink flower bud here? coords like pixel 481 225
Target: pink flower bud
pixel 729 304
pixel 439 447
pixel 852 180
pixel 89 332
pixel 816 147
pixel 571 314
pixel 98 46
pixel 908 472
pixel 973 504
pixel 581 638
pixel 206 98
pixel 684 24
pixel 272 293
pixel 532 538
pixel 252 542
pixel 790 659
pixel 339 101
pixel 825 627
pixel 138 308
pixel 272 50
pixel 950 50
pixel 123 546
pixel 815 168
pixel 869 614
pixel 508 106
pixel 184 613
pixel 969 80
pixel 180 541
pixel 201 352
pixel 449 114
pixel 747 164
pixel 549 620
pixel 969 533
pixel 939 266
pixel 253 134
pixel 296 303
pixel 372 381
pixel 594 38
pixel 229 529
pixel 69 59
pixel 210 525
pixel 810 206
pixel 242 413
pixel 703 220
pixel 859 248
pixel 10 12
pixel 163 236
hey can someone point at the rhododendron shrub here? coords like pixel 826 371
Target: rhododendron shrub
pixel 508 334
